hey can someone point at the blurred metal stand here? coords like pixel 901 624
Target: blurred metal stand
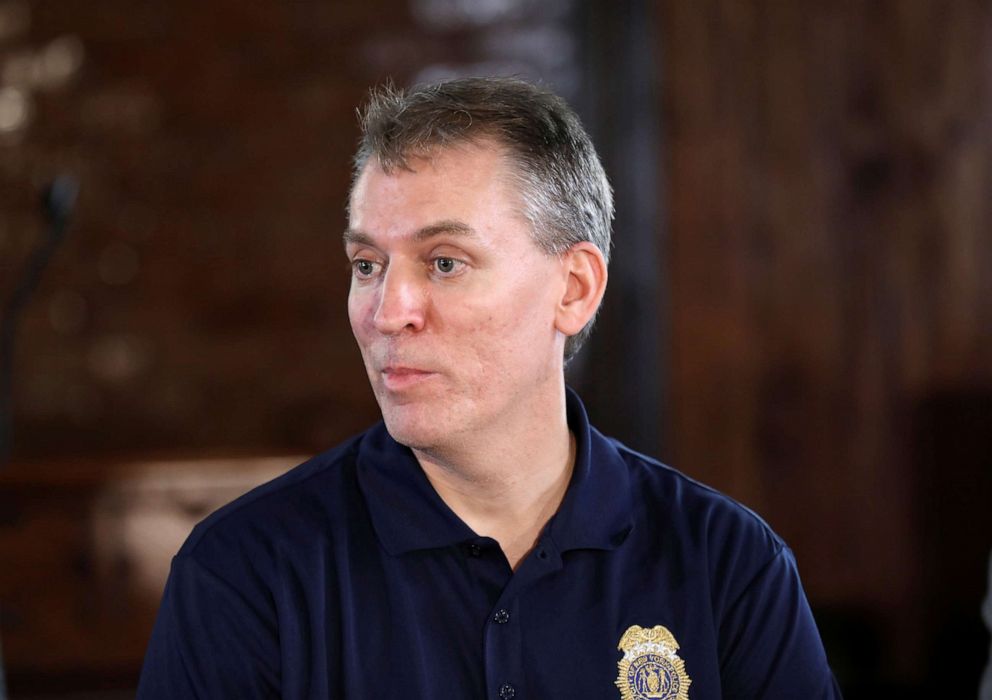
pixel 58 202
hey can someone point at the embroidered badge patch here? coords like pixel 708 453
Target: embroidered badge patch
pixel 650 668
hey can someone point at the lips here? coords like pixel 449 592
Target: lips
pixel 398 378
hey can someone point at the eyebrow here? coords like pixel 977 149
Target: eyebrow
pixel 448 226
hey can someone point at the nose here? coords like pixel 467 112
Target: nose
pixel 402 302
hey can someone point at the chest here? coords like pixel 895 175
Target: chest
pixel 459 623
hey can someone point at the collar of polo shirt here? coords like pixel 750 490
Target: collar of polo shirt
pixel 408 514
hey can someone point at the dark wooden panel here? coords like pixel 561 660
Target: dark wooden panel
pixel 830 167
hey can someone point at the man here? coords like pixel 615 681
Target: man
pixel 484 541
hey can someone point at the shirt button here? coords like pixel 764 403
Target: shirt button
pixel 501 617
pixel 507 691
pixel 475 550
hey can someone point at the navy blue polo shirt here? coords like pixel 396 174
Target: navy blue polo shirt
pixel 349 577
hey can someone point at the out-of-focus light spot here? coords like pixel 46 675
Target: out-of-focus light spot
pixel 48 68
pixel 67 312
pixel 60 60
pixel 435 72
pixel 448 14
pixel 544 45
pixel 118 358
pixel 118 264
pixel 15 18
pixel 15 109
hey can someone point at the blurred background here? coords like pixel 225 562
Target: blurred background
pixel 799 312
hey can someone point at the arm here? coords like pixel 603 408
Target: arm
pixel 769 645
pixel 210 641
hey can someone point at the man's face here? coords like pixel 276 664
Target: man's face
pixel 451 301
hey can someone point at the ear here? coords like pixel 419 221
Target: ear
pixel 585 270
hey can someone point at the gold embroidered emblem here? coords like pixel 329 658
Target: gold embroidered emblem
pixel 650 668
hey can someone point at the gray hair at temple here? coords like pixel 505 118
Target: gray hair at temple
pixel 566 195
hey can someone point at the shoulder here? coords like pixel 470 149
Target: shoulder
pixel 295 507
pixel 680 500
pixel 681 515
pixel 724 567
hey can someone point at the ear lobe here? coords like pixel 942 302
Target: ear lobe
pixel 585 270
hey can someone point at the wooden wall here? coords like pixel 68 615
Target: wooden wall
pixel 198 300
pixel 831 263
pixel 824 248
pixel 193 324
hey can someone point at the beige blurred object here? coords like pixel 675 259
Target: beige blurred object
pixel 86 546
pixel 15 109
pixel 140 521
pixel 47 68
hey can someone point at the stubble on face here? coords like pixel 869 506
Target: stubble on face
pixel 453 358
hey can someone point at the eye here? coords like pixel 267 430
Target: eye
pixel 446 265
pixel 363 268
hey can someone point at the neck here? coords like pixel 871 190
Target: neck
pixel 509 487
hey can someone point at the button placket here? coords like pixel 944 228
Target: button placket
pixel 505 629
pixel 504 662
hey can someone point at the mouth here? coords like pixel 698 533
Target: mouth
pixel 398 378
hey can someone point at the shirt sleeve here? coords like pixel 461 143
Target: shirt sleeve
pixel 769 645
pixel 210 641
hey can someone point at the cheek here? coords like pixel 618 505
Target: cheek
pixel 506 333
pixel 528 315
pixel 359 311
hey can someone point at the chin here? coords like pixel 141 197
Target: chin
pixel 417 429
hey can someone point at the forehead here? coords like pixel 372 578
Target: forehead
pixel 467 178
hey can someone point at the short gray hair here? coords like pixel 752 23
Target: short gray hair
pixel 566 196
